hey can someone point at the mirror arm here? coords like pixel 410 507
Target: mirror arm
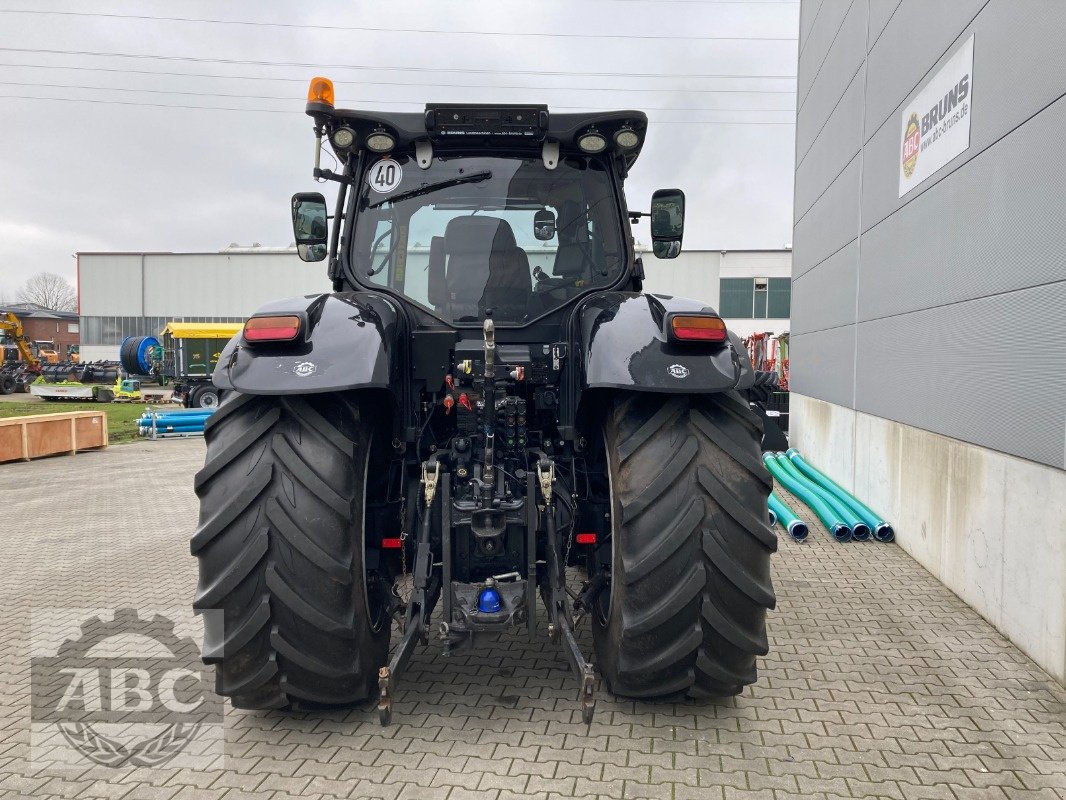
pixel 634 216
pixel 335 268
pixel 330 175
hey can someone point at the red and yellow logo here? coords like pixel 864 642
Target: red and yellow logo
pixel 912 141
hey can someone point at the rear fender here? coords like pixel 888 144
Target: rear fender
pixel 349 342
pixel 625 345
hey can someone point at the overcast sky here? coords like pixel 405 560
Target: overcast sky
pixel 126 175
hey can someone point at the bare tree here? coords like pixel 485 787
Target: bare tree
pixel 49 290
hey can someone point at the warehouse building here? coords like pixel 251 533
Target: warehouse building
pixel 136 294
pixel 929 308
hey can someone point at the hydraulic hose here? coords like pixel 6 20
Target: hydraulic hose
pixel 773 516
pixel 836 526
pixel 796 527
pixel 882 530
pixel 860 531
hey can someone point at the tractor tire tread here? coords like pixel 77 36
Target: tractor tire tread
pixel 692 545
pixel 281 503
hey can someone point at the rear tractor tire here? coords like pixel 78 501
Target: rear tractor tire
pixel 689 553
pixel 297 620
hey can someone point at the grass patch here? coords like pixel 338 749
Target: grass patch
pixel 120 416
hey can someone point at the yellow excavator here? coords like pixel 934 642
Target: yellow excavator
pixel 20 371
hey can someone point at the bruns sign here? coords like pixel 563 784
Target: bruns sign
pixel 935 124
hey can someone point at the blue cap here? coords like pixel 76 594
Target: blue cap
pixel 488 601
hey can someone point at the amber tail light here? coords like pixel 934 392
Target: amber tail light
pixel 686 328
pixel 272 329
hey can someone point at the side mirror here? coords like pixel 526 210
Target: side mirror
pixel 544 225
pixel 309 225
pixel 667 222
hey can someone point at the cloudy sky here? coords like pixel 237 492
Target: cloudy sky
pixel 200 139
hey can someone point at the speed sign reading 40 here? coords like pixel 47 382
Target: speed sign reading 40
pixel 384 176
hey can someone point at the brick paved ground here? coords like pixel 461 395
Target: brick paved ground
pixel 880 683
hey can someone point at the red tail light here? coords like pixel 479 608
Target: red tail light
pixel 585 538
pixel 392 544
pixel 687 328
pixel 272 329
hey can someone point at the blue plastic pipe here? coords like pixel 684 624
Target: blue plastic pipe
pixel 860 531
pixel 836 526
pixel 173 420
pixel 882 530
pixel 796 527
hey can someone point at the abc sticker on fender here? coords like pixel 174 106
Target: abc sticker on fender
pixel 384 176
pixel 679 371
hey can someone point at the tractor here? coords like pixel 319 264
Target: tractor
pixel 486 408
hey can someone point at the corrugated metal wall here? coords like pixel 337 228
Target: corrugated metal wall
pixel 226 285
pixel 192 284
pixel 944 309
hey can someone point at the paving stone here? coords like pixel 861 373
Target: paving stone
pixel 879 683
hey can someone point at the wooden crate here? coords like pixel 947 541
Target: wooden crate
pixel 23 438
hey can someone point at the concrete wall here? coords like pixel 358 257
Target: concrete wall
pixel 986 524
pixel 928 330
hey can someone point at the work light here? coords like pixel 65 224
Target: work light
pixel 343 137
pixel 592 142
pixel 380 142
pixel 626 138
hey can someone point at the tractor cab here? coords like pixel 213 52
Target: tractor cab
pixel 474 212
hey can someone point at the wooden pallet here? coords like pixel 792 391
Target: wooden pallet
pixel 24 438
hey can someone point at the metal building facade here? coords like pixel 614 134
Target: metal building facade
pixel 920 308
pixel 929 324
pixel 136 294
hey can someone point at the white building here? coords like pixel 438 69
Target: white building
pixel 751 289
pixel 136 294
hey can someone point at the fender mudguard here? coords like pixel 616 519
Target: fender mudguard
pixel 625 346
pixel 348 342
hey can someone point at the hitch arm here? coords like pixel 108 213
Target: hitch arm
pixel 561 624
pixel 423 596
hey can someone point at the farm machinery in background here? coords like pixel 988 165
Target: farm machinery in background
pixel 183 359
pixel 769 394
pixel 21 365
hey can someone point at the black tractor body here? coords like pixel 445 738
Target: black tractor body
pixel 485 401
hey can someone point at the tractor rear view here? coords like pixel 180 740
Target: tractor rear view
pixel 485 401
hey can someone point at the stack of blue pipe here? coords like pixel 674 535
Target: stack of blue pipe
pixel 184 421
pixel 844 515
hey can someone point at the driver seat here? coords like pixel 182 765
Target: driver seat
pixel 484 269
